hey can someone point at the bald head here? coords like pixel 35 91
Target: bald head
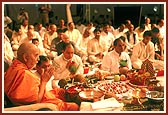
pixel 26 48
pixel 65 38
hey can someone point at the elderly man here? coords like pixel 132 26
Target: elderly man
pixel 111 61
pixel 62 63
pixel 48 37
pixel 23 87
pixel 60 45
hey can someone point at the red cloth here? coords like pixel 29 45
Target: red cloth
pixel 22 87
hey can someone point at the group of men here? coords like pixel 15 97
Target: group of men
pixel 32 77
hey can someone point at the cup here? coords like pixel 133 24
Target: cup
pixel 86 70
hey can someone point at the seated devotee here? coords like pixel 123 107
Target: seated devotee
pixel 44 63
pixel 107 36
pixel 8 52
pixel 60 45
pixel 73 33
pixel 127 24
pixel 56 40
pixel 62 63
pixel 28 38
pixel 158 43
pixel 140 30
pixel 162 28
pixel 35 34
pixel 41 30
pixel 96 47
pixel 119 31
pixel 24 25
pixel 131 37
pixel 8 26
pixel 35 41
pixel 145 50
pixel 90 27
pixel 17 36
pixel 23 87
pixel 80 26
pixel 48 37
pixel 111 61
pixel 82 47
pixel 31 33
pixel 147 24
pixel 62 25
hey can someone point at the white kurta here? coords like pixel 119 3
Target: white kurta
pixel 94 47
pixel 111 61
pixel 61 72
pixel 142 52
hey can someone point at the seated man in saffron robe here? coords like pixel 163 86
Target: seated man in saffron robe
pixel 23 87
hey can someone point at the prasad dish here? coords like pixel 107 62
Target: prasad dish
pixel 155 96
pixel 137 86
pixel 90 94
pixel 116 87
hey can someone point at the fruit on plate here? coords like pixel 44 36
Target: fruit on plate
pixel 116 78
pixel 123 70
pixel 122 77
pixel 114 87
pixel 138 80
pixel 147 74
pixel 79 78
pixel 144 90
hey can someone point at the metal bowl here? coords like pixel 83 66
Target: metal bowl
pixel 155 96
pixel 109 77
pixel 90 94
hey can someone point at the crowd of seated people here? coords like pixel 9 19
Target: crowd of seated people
pixel 64 44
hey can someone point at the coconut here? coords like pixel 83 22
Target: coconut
pixel 123 70
pixel 62 83
pixel 79 78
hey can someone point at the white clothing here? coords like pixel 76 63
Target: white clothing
pixel 147 27
pixel 94 47
pixel 82 48
pixel 16 38
pixel 108 38
pixel 117 34
pixel 8 52
pixel 24 28
pixel 142 52
pixel 162 31
pixel 111 61
pixel 80 28
pixel 61 72
pixel 139 33
pixel 42 32
pixel 48 37
pixel 74 35
pixel 131 42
